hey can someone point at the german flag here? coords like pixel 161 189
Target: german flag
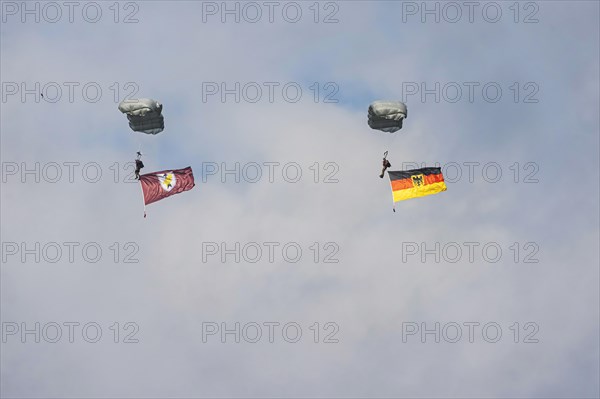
pixel 416 183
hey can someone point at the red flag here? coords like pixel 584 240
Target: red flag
pixel 163 184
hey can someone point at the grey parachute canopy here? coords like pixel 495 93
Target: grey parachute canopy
pixel 387 116
pixel 144 115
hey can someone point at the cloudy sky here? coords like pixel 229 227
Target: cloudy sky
pixel 285 272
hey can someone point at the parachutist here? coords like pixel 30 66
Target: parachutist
pixel 386 164
pixel 138 165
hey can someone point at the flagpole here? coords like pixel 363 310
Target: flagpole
pixel 143 199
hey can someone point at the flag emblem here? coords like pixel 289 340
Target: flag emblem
pixel 167 181
pixel 417 180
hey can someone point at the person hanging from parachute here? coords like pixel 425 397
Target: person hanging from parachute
pixel 386 164
pixel 145 116
pixel 138 165
pixel 387 116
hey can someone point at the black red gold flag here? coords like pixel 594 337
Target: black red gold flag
pixel 415 183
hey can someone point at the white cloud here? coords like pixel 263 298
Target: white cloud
pixel 370 292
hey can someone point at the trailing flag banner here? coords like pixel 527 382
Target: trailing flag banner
pixel 416 183
pixel 163 184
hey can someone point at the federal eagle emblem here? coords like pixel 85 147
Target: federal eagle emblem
pixel 418 180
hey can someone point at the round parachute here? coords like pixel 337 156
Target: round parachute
pixel 144 115
pixel 387 116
